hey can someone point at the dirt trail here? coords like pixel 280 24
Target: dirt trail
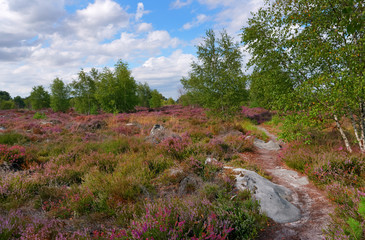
pixel 312 202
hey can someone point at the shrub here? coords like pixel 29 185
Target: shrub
pixel 258 115
pixel 11 138
pixel 16 156
pixel 39 115
pixel 177 147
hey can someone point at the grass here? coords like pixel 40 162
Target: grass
pixel 249 126
pixel 11 138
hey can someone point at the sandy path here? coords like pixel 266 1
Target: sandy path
pixel 313 203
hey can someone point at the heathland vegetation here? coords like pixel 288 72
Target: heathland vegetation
pixel 81 162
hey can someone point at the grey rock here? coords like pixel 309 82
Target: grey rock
pixel 158 133
pixel 134 124
pixel 212 161
pixel 274 199
pixel 157 128
pixel 2 128
pixel 270 145
pixel 188 185
pixel 293 177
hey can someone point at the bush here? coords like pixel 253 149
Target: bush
pixel 39 115
pixel 15 156
pixel 11 138
pixel 259 115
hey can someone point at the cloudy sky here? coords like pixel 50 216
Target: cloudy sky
pixel 44 39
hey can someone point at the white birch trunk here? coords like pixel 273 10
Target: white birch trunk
pixel 343 135
pixel 359 137
pixel 362 127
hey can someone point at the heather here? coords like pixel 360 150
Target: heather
pixel 73 176
pixel 339 173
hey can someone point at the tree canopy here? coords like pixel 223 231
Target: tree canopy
pixel 39 98
pixel 116 90
pixel 83 92
pixel 216 80
pixel 316 49
pixel 60 96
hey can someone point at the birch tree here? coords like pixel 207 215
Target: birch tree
pixel 319 45
pixel 216 80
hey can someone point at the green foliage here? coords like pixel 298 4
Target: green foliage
pixel 244 215
pixel 116 146
pixel 116 91
pixel 39 115
pixel 169 101
pixel 249 126
pixel 5 96
pixel 268 87
pixel 216 80
pixel 60 96
pixel 4 105
pixel 39 98
pixel 83 92
pixel 156 99
pixel 144 95
pixel 355 229
pixel 11 138
pixel 19 102
pixel 308 60
pixel 5 101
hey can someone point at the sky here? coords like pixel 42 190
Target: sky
pixel 44 39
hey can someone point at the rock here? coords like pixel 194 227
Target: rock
pixel 175 172
pixel 274 199
pixel 5 167
pixel 2 128
pixel 92 125
pixel 212 161
pixel 134 124
pixel 156 129
pixel 159 133
pixel 270 145
pixel 55 121
pixel 188 185
pixel 294 179
pixel 231 133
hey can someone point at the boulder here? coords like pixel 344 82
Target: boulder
pixel 158 133
pixel 270 145
pixel 188 185
pixel 274 199
pixel 92 125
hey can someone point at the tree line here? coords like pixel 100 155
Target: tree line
pixel 107 90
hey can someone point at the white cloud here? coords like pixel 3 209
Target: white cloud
pixel 39 41
pixel 144 27
pixel 164 73
pixel 93 36
pixel 21 24
pixel 234 13
pixel 180 3
pixel 201 18
pixel 99 20
pixel 140 11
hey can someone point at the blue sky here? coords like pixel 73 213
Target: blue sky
pixel 44 39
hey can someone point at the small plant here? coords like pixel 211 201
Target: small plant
pixel 39 115
pixel 355 229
